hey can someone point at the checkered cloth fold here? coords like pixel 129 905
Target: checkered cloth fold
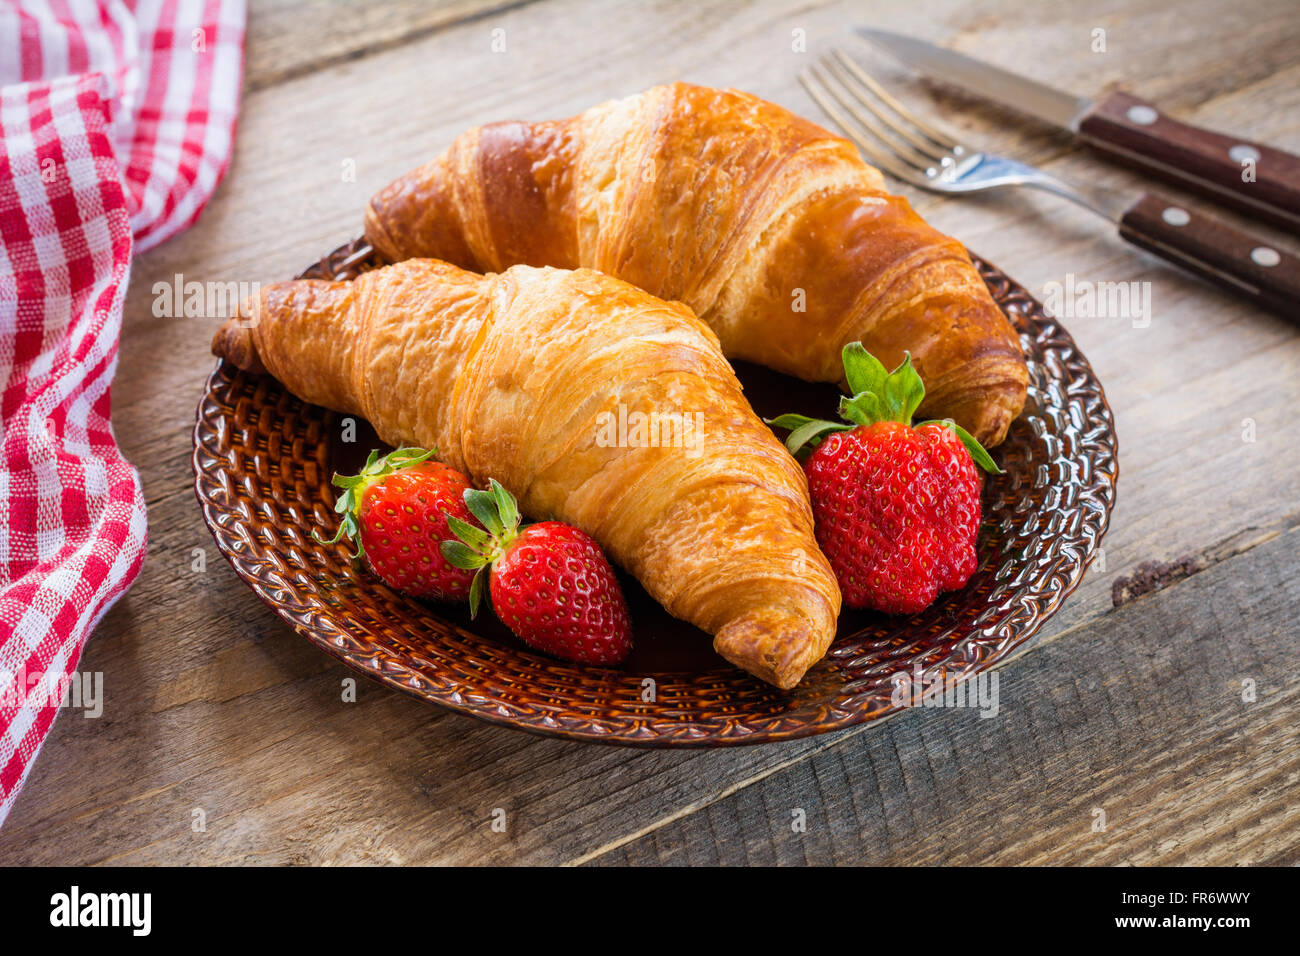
pixel 115 126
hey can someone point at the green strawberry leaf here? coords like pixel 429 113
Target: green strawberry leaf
pixel 483 505
pixel 460 555
pixel 406 457
pixel 806 437
pixel 863 408
pixel 977 451
pixel 476 538
pixel 805 433
pixel 506 505
pixel 789 421
pixel 904 391
pixel 347 527
pixel 477 591
pixel 862 369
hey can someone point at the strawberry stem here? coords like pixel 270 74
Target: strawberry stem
pixel 476 549
pixel 878 395
pixel 348 504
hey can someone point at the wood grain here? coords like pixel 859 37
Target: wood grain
pixel 214 705
pixel 291 38
pixel 949 787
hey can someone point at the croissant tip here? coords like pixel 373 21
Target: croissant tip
pixel 233 343
pixel 773 647
pixel 376 232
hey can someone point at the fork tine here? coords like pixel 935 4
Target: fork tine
pixel 817 88
pixel 893 135
pixel 902 139
pixel 944 140
pixel 959 170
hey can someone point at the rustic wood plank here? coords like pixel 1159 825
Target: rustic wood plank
pixel 1141 715
pixel 214 704
pixel 291 38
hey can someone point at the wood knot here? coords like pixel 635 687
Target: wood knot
pixel 1151 576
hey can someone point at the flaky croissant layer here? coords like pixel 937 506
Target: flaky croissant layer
pixel 594 403
pixel 770 228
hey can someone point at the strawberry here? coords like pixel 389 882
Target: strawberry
pixel 396 510
pixel 549 582
pixel 896 507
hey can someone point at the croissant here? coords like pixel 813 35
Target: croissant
pixel 768 227
pixel 591 401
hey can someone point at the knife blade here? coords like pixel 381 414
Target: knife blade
pixel 1257 179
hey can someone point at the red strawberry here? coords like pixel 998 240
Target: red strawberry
pixel 550 583
pixel 897 508
pixel 396 510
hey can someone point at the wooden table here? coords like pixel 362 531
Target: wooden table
pixel 1136 710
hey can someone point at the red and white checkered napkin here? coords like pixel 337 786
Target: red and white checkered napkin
pixel 115 126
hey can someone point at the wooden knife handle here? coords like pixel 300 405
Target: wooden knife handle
pixel 1210 248
pixel 1220 167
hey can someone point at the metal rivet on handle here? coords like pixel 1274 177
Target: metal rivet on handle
pixel 1264 256
pixel 1244 153
pixel 1175 216
pixel 1142 115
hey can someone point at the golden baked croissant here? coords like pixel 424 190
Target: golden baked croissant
pixel 770 228
pixel 591 401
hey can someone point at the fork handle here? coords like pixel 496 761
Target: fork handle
pixel 1257 179
pixel 1216 251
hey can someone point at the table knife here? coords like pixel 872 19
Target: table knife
pixel 1252 177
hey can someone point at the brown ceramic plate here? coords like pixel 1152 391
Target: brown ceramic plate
pixel 263 461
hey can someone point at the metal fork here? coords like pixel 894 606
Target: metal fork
pixel 918 152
